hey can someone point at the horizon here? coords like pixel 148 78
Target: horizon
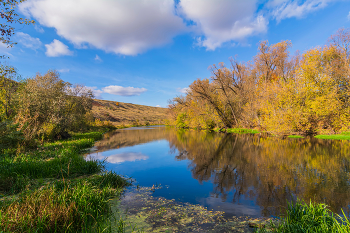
pixel 148 53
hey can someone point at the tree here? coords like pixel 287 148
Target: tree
pixel 275 92
pixel 50 107
pixel 8 85
pixel 9 14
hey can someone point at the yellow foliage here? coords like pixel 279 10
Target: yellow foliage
pixel 275 92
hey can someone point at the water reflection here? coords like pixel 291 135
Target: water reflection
pixel 130 137
pixel 118 158
pixel 270 170
pixel 251 174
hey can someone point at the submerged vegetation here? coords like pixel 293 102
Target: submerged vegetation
pixel 141 212
pixel 275 92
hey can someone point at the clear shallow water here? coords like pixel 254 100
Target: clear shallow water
pixel 239 174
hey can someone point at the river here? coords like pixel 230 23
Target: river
pixel 242 175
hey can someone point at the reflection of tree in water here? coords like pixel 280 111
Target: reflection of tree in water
pixel 130 137
pixel 270 170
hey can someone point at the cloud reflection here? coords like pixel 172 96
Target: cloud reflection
pixel 230 208
pixel 119 158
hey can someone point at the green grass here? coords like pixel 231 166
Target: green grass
pixel 334 137
pixel 302 217
pixel 242 131
pixel 54 189
pixel 295 136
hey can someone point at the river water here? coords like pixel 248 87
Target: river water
pixel 242 175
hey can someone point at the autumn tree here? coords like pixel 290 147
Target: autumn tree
pixel 9 14
pixel 8 85
pixel 50 107
pixel 276 92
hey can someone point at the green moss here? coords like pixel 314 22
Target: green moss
pixel 295 136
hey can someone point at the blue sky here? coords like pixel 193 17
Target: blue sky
pixel 147 51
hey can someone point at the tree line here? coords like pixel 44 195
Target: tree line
pixel 276 92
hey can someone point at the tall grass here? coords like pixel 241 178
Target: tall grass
pixel 51 160
pixel 63 206
pixel 302 217
pixel 57 189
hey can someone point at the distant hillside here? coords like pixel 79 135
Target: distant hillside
pixel 124 113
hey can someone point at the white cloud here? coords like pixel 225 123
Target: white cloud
pixel 123 91
pixel 158 106
pixel 4 47
pixel 123 26
pixel 39 29
pixel 97 58
pixel 28 41
pixel 282 9
pixel 349 16
pixel 222 21
pixel 65 70
pixel 56 49
pixel 183 90
pixel 130 27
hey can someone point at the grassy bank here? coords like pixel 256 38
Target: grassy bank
pixel 295 136
pixel 342 136
pixel 54 189
pixel 312 217
pixel 238 130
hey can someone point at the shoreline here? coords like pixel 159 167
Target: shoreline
pixel 341 136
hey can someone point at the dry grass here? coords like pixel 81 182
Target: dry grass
pixel 127 114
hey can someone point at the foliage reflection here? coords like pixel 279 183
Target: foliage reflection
pixel 270 170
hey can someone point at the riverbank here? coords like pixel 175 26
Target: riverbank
pixel 52 188
pixel 341 136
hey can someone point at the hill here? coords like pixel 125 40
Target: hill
pixel 128 114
